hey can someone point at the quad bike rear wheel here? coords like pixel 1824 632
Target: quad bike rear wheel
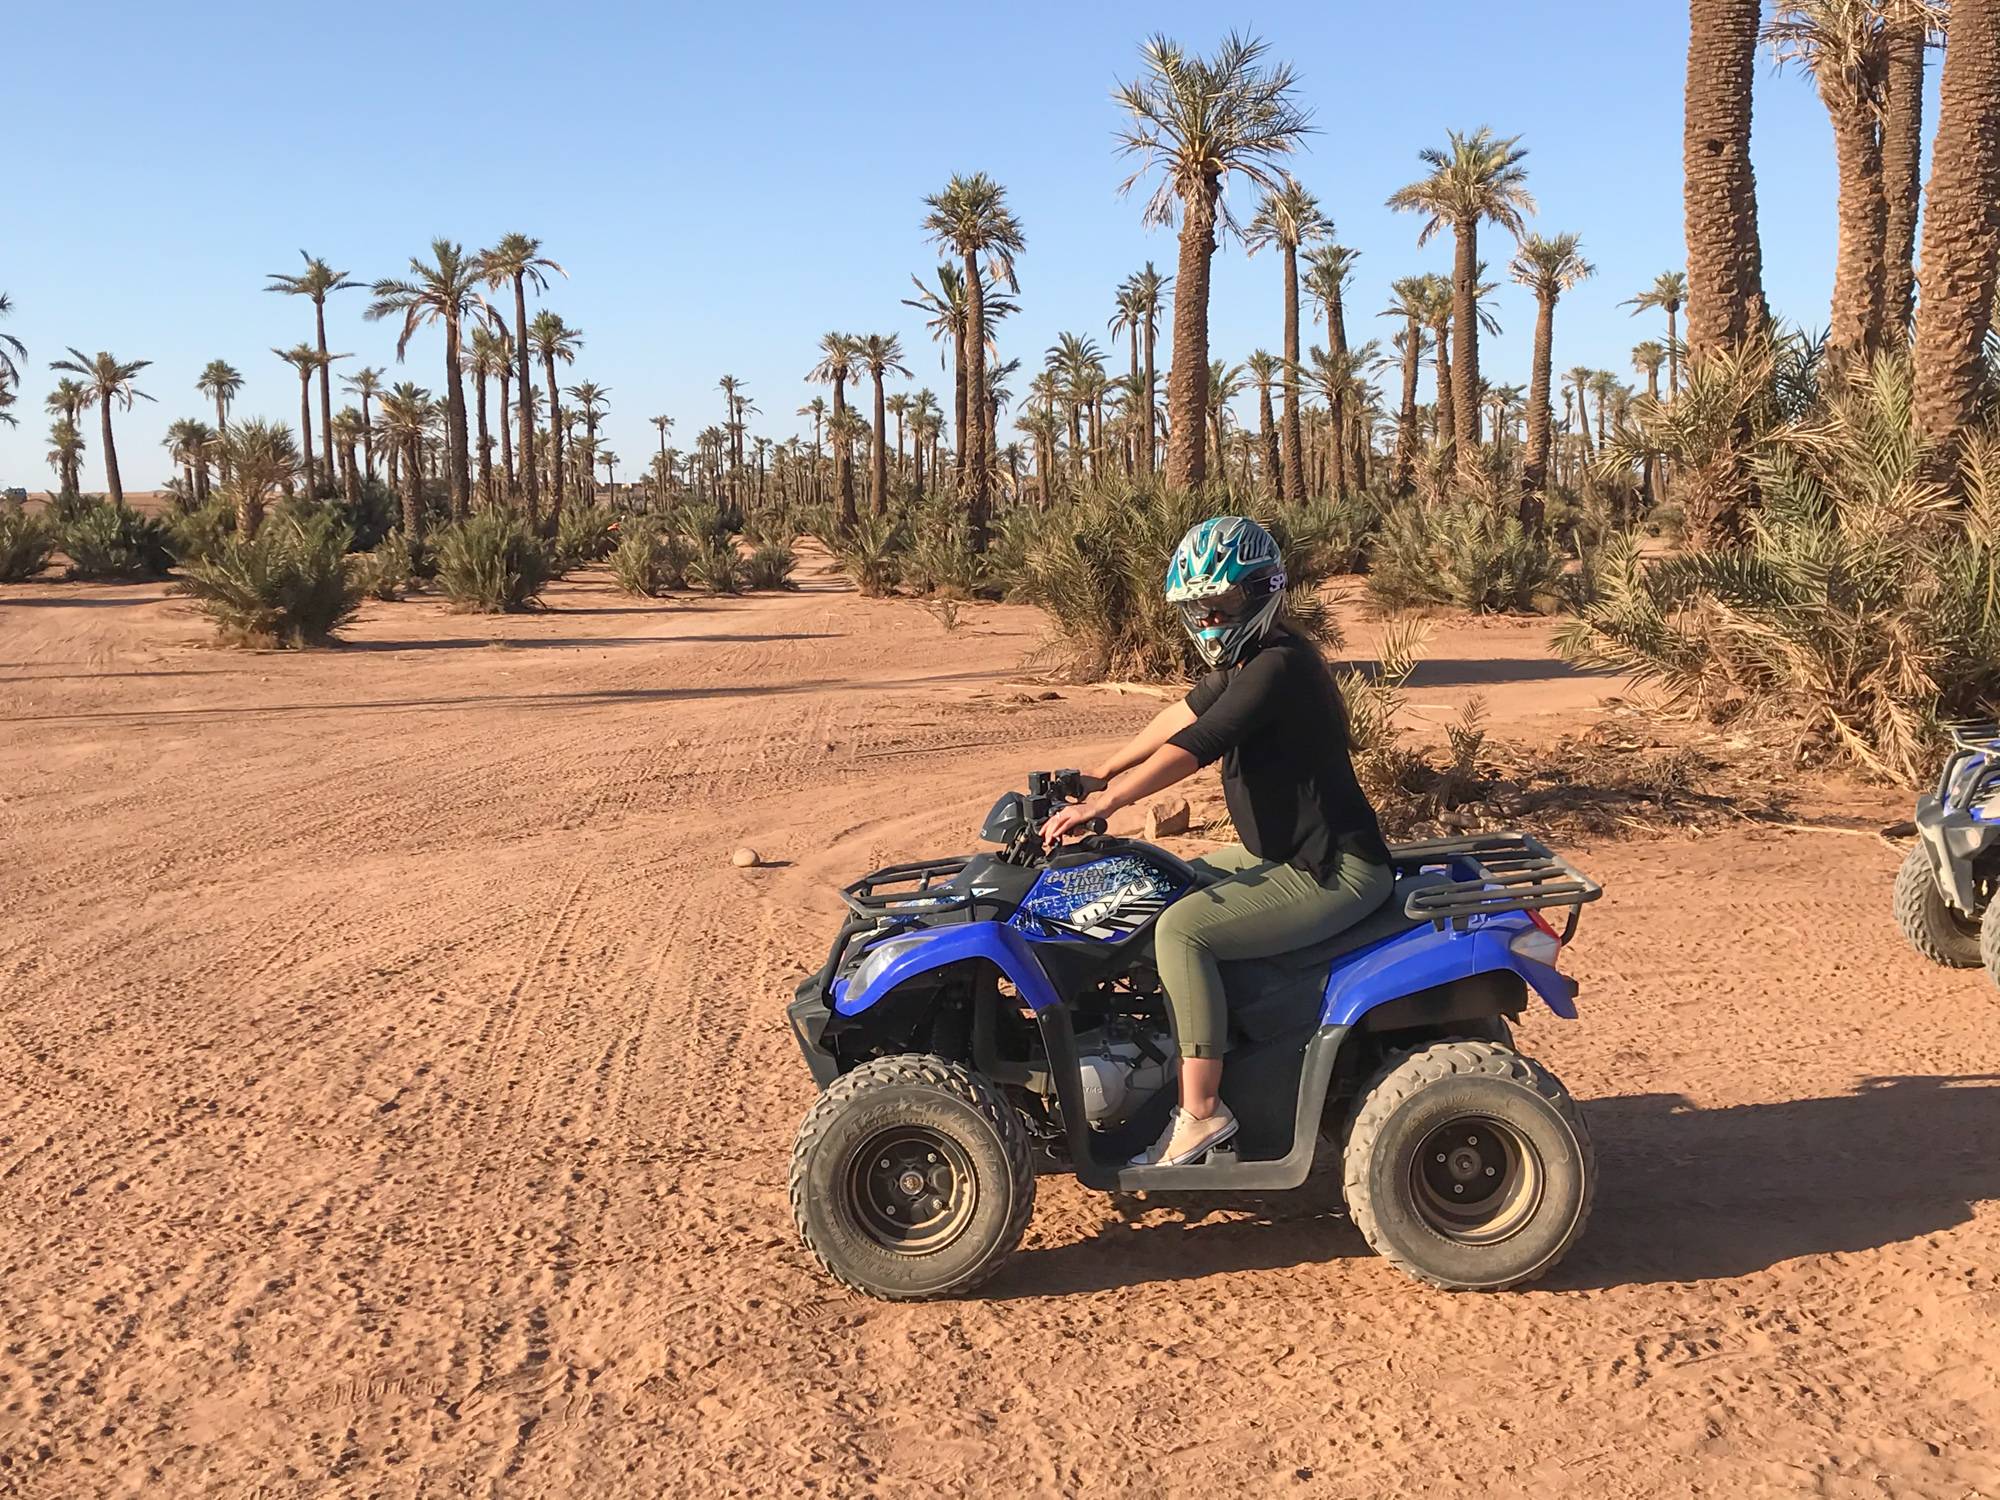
pixel 1468 1166
pixel 911 1178
pixel 1935 927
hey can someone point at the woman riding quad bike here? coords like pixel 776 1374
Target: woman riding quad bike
pixel 980 1018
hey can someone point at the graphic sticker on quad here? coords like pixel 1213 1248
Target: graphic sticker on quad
pixel 1105 899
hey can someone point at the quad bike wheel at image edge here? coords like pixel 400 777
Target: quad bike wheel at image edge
pixel 1934 927
pixel 1468 1166
pixel 911 1178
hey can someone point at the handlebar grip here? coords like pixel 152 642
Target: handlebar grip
pixel 1091 783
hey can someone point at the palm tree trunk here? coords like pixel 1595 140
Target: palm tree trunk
pixel 1902 152
pixel 306 430
pixel 485 445
pixel 461 462
pixel 507 436
pixel 555 447
pixel 1856 330
pixel 1961 235
pixel 1447 418
pixel 1293 488
pixel 1147 454
pixel 367 437
pixel 1273 458
pixel 1465 319
pixel 973 439
pixel 413 495
pixel 1187 376
pixel 350 482
pixel 843 456
pixel 878 469
pixel 1725 258
pixel 1535 466
pixel 1406 415
pixel 325 389
pixel 958 395
pixel 1673 355
pixel 916 465
pixel 1336 471
pixel 1648 471
pixel 221 431
pixel 526 388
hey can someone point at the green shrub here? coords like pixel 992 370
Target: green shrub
pixel 648 562
pixel 870 554
pixel 372 515
pixel 1469 554
pixel 25 544
pixel 197 535
pixel 292 584
pixel 941 560
pixel 1861 612
pixel 771 526
pixel 586 534
pixel 714 565
pixel 770 565
pixel 387 572
pixel 115 543
pixel 492 563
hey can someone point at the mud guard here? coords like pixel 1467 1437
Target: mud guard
pixel 1427 958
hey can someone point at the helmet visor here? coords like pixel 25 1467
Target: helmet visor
pixel 1226 608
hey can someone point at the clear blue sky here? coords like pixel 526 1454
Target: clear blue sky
pixel 726 183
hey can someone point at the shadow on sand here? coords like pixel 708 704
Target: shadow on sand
pixel 1684 1194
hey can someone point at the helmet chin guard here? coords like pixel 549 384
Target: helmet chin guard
pixel 1227 579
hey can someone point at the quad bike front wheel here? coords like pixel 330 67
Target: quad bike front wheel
pixel 1468 1166
pixel 911 1178
pixel 1935 927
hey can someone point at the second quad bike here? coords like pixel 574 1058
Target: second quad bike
pixel 1944 890
pixel 983 1018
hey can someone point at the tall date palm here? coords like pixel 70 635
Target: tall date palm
pixel 445 291
pixel 837 359
pixel 108 380
pixel 880 355
pixel 552 339
pixel 514 263
pixel 1198 121
pixel 1477 178
pixel 1288 217
pixel 1549 266
pixel 317 282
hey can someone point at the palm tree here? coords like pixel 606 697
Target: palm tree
pixel 367 384
pixel 1548 266
pixel 1288 217
pixel 219 381
pixel 1476 178
pixel 445 291
pixel 262 456
pixel 66 455
pixel 1199 120
pixel 316 281
pixel 1605 387
pixel 406 421
pixel 1647 359
pixel 305 359
pixel 1225 384
pixel 1329 269
pixel 1439 305
pixel 191 443
pixel 1578 378
pixel 816 409
pixel 1961 235
pixel 1668 292
pixel 348 432
pixel 514 262
pixel 1411 303
pixel 881 355
pixel 108 379
pixel 1071 359
pixel 590 401
pixel 553 340
pixel 1150 291
pixel 11 348
pixel 662 424
pixel 1725 257
pixel 926 419
pixel 837 356
pixel 970 215
pixel 898 406
pixel 1265 370
pixel 490 357
pixel 947 303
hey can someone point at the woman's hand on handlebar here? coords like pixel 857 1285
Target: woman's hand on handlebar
pixel 1068 820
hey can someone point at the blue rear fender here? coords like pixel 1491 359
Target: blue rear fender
pixel 1428 957
pixel 930 949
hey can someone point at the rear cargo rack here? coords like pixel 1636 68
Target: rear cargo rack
pixel 1491 873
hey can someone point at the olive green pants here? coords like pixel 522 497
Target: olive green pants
pixel 1250 909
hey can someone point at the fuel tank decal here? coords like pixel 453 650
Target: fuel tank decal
pixel 1107 899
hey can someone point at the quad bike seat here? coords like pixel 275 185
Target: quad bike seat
pixel 1270 996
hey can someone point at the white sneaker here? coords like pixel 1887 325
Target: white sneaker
pixel 1187 1139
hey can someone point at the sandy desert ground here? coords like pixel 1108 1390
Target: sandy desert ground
pixel 395 1100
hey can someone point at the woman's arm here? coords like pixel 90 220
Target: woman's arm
pixel 1158 771
pixel 1164 725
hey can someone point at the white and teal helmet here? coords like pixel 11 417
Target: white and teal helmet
pixel 1228 581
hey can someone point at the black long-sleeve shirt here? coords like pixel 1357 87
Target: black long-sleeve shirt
pixel 1277 724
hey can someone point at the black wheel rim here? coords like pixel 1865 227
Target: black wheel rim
pixel 912 1189
pixel 1476 1180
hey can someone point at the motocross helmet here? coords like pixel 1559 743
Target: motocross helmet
pixel 1227 580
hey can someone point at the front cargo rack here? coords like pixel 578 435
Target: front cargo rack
pixel 914 888
pixel 1491 873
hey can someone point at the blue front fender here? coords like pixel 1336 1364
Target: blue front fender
pixel 1419 960
pixel 943 947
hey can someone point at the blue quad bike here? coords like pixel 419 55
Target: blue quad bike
pixel 983 1018
pixel 1944 891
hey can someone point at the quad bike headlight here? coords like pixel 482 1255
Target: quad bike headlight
pixel 878 958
